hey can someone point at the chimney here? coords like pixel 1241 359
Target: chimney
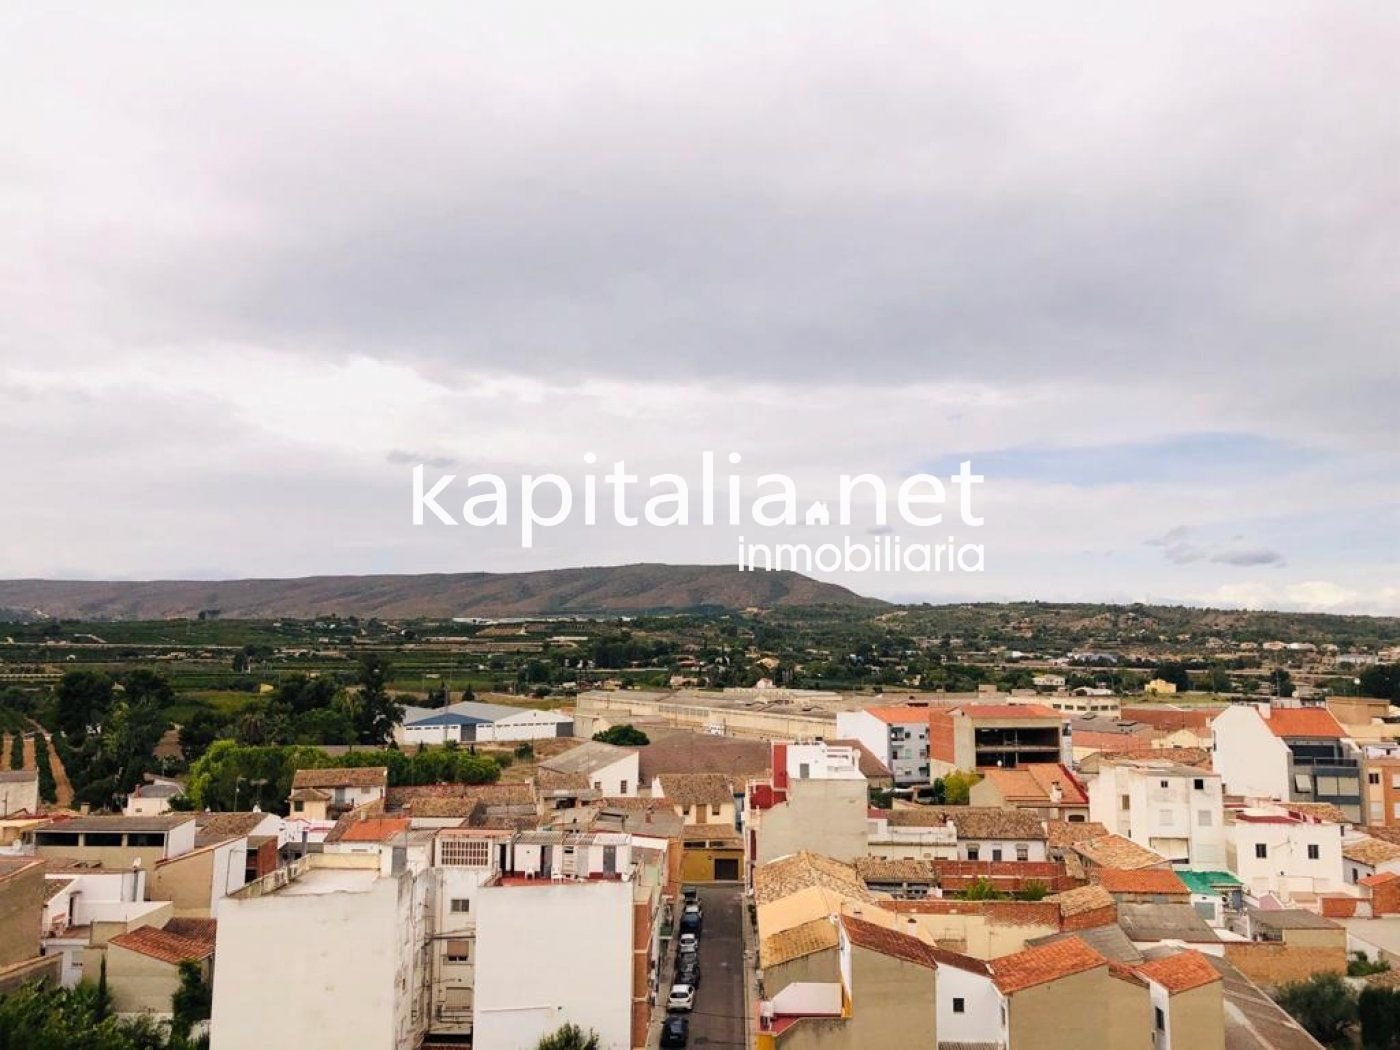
pixel 84 809
pixel 1057 793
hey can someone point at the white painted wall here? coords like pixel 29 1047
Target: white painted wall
pixel 1248 757
pixel 619 778
pixel 1180 821
pixel 316 971
pixel 873 732
pixel 1286 867
pixel 550 954
pixel 981 1020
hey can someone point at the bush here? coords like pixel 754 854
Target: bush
pixel 1360 966
pixel 623 736
pixel 48 787
pixel 1379 1011
pixel 1324 1004
pixel 17 751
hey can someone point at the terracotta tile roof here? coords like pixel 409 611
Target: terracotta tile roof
pixel 164 945
pixel 1324 811
pixel 973 822
pixel 1114 851
pixel 1050 962
pixel 1060 833
pixel 1179 973
pixel 899 715
pixel 990 711
pixel 1109 742
pixel 1171 718
pixel 1197 757
pixel 195 929
pixel 1371 851
pixel 894 869
pixel 1141 880
pixel 1081 900
pixel 375 829
pixel 53 887
pixel 888 942
pixel 701 753
pixel 1304 722
pixel 225 825
pixel 807 939
pixel 409 797
pixel 1380 878
pixel 697 789
pixel 309 795
pixel 799 871
pixel 357 776
pixel 1032 783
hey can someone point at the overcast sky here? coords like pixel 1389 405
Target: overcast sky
pixel 1140 263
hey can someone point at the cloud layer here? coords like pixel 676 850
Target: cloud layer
pixel 1141 268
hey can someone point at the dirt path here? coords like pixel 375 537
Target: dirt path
pixel 29 762
pixel 63 787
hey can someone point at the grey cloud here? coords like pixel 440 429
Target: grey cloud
pixel 1248 557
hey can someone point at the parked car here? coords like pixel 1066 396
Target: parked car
pixel 690 894
pixel 690 957
pixel 693 908
pixel 675 1031
pixel 688 971
pixel 690 922
pixel 690 942
pixel 681 999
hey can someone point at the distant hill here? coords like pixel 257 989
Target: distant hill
pixel 622 589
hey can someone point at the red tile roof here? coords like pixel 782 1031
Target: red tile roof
pixel 1180 972
pixel 889 942
pixel 1008 711
pixel 899 714
pixel 380 829
pixel 1380 878
pixel 1303 722
pixel 1141 880
pixel 164 945
pixel 1048 962
pixel 1031 783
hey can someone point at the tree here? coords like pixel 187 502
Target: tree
pixel 983 890
pixel 82 699
pixel 1323 1004
pixel 374 713
pixel 1382 680
pixel 623 736
pixel 204 727
pixel 17 751
pixel 957 787
pixel 1175 673
pixel 1379 1012
pixel 570 1037
pixel 191 1001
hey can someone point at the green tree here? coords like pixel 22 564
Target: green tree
pixel 81 701
pixel 957 787
pixel 1174 672
pixel 48 787
pixel 623 736
pixel 1324 1004
pixel 374 713
pixel 17 751
pixel 1034 890
pixel 983 890
pixel 203 727
pixel 1378 1009
pixel 191 1001
pixel 570 1037
pixel 1382 681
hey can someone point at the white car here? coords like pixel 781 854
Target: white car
pixel 689 942
pixel 681 999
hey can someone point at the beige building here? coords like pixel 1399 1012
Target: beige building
pixel 19 792
pixel 22 896
pixel 143 965
pixel 327 794
pixel 116 841
pixel 816 800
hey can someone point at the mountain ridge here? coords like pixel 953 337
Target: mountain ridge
pixel 643 587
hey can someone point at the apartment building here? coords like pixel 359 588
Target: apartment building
pixel 1298 754
pixel 981 736
pixel 815 799
pixel 897 736
pixel 1286 854
pixel 1172 809
pixel 1382 788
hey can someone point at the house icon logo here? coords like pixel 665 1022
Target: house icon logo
pixel 817 514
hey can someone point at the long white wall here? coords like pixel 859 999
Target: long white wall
pixel 549 955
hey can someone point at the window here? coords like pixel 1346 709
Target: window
pixel 459 950
pixel 1164 783
pixel 102 838
pixel 996 853
pixel 1023 852
pixel 1373 778
pixel 461 905
pixel 144 838
pixel 1199 784
pixel 1077 818
pixel 296 807
pixel 1161 1019
pixel 1395 781
pixel 622 787
pixel 464 852
pixel 1205 819
pixel 1125 803
pixel 971 852
pixel 959 1006
pixel 1314 852
pixel 1302 783
pixel 1261 851
pixel 715 809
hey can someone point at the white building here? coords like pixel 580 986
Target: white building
pixel 1288 855
pixel 549 953
pixel 1297 754
pixel 1175 810
pixel 471 721
pixel 19 792
pixel 897 736
pixel 609 770
pixel 325 954
pixel 971 1009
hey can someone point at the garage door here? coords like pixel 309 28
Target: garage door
pixel 726 869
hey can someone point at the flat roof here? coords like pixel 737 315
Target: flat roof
pixel 317 881
pixel 118 823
